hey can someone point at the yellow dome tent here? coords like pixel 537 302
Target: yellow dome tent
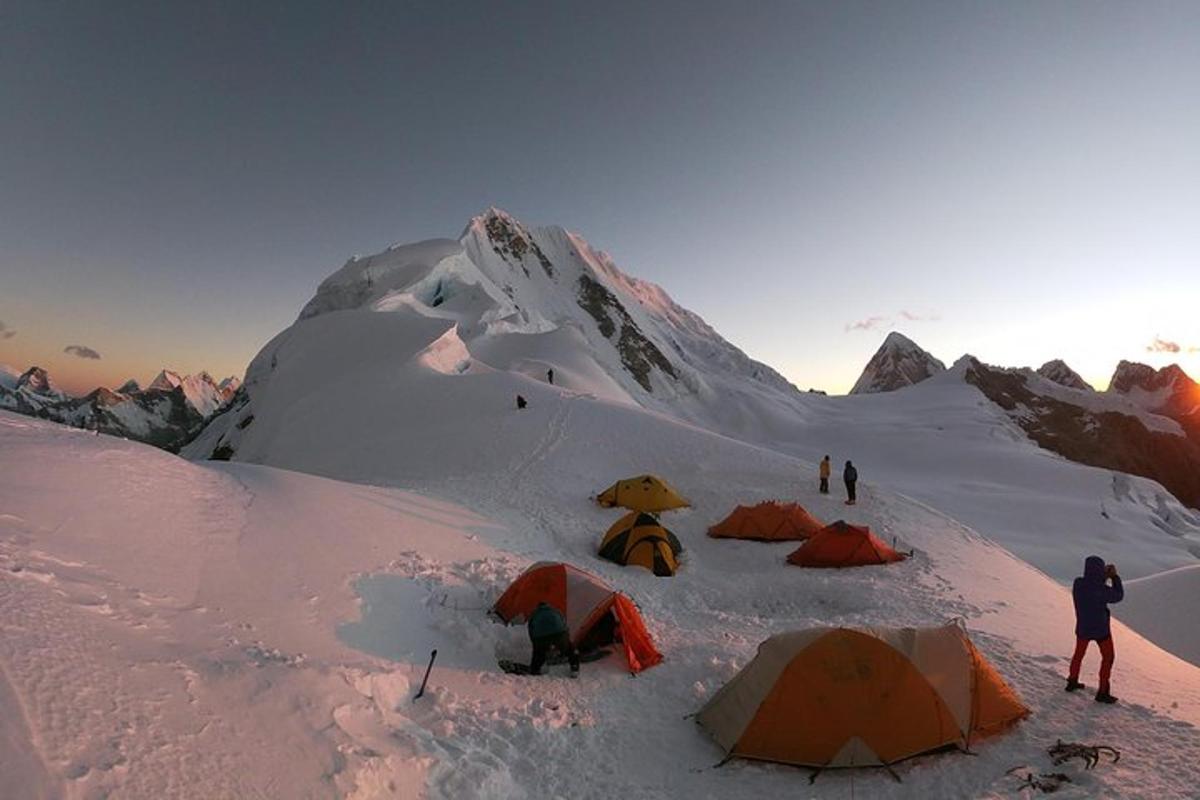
pixel 841 697
pixel 641 540
pixel 643 493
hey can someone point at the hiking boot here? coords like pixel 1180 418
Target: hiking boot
pixel 1105 697
pixel 575 672
pixel 1074 685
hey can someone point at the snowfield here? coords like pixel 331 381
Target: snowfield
pixel 228 630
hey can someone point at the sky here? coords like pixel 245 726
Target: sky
pixel 1015 180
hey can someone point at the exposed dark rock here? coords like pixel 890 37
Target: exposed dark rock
pixel 638 354
pixel 1108 439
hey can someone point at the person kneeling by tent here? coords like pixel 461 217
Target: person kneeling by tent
pixel 548 629
pixel 1092 594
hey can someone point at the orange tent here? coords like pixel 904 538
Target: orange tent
pixel 768 522
pixel 844 545
pixel 840 697
pixel 586 602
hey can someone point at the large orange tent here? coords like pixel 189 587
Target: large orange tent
pixel 770 521
pixel 844 545
pixel 594 611
pixel 840 697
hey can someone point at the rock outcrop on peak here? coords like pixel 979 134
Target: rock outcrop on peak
pixel 1059 372
pixel 1092 434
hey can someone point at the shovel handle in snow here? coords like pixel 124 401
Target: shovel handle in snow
pixel 425 680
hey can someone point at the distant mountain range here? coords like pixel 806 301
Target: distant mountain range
pixel 1147 423
pixel 167 413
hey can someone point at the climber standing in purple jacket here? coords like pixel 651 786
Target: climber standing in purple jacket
pixel 1092 596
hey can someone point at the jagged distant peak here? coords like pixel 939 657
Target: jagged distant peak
pixel 1131 374
pixel 38 381
pixel 130 386
pixel 1058 371
pixel 898 362
pixel 166 380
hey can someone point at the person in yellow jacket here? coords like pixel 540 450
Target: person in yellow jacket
pixel 825 470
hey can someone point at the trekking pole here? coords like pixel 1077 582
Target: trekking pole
pixel 425 680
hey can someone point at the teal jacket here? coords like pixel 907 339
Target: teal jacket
pixel 546 620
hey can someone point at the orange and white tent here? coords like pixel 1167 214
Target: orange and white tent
pixel 586 602
pixel 841 697
pixel 770 521
pixel 844 545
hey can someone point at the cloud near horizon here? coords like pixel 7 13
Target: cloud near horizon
pixel 879 321
pixel 81 351
pixel 914 317
pixel 6 332
pixel 868 324
pixel 1161 345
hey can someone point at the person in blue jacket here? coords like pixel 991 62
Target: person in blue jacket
pixel 548 629
pixel 850 476
pixel 1092 594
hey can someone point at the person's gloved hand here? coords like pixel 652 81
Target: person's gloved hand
pixel 1110 570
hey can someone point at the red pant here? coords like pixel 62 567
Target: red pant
pixel 1106 660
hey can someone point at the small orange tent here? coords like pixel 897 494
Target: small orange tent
pixel 844 545
pixel 768 522
pixel 585 601
pixel 841 697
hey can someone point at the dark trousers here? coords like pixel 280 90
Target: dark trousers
pixel 1107 657
pixel 542 645
pixel 824 485
pixel 850 494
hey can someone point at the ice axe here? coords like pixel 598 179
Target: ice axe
pixel 425 680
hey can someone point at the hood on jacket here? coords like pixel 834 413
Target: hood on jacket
pixel 1093 568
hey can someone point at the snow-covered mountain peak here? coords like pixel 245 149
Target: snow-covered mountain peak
pixel 529 299
pixel 898 362
pixel 36 380
pixel 1169 390
pixel 1062 374
pixel 166 380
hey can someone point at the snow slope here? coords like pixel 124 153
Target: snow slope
pixel 341 380
pixel 191 629
pixel 1163 608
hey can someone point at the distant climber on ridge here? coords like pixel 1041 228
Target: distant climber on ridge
pixel 550 375
pixel 850 476
pixel 521 402
pixel 1092 596
pixel 548 629
pixel 825 470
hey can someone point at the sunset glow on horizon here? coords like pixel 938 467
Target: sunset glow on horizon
pixel 1017 182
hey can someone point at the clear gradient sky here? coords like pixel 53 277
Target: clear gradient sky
pixel 176 178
